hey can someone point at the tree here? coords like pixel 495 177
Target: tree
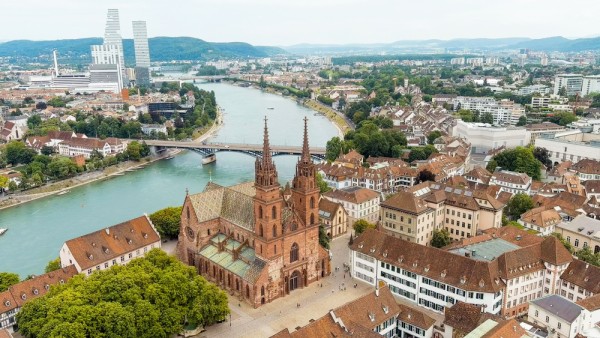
pixel 7 279
pixel 134 151
pixel 487 118
pixel 155 296
pixel 564 242
pixel 440 238
pixel 167 221
pixel 426 175
pixel 491 166
pixel 587 255
pixel 34 121
pixel 519 159
pixel 333 148
pixel 417 154
pixel 361 225
pixel 542 155
pixel 522 121
pixel 433 136
pixel 3 182
pixel 562 91
pixel 323 238
pixel 518 204
pixel 53 265
pixel 16 152
pixel 41 105
pixel 47 150
pixel 62 167
pixel 323 187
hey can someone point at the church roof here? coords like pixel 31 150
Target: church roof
pixel 234 204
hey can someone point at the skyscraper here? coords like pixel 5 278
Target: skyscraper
pixel 140 42
pixel 142 53
pixel 112 36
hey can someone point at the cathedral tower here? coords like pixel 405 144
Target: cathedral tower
pixel 305 191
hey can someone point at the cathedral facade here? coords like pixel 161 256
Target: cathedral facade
pixel 255 240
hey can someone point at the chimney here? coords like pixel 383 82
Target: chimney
pixel 55 63
pixel 107 231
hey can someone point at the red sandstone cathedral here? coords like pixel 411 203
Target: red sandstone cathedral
pixel 254 239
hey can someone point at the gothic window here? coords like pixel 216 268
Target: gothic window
pixel 293 226
pixel 190 232
pixel 188 213
pixel 208 232
pixel 260 214
pixel 294 253
pixel 274 213
pixel 274 231
pixel 261 231
pixel 312 218
pixel 262 290
pixel 312 202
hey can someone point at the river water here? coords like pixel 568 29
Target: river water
pixel 38 229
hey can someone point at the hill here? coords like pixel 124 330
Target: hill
pixel 161 49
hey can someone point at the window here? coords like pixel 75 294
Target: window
pixel 274 213
pixel 577 242
pixel 312 202
pixel 559 325
pixel 260 231
pixel 547 319
pixel 312 218
pixel 294 253
pixel 274 231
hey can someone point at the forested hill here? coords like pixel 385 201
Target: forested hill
pixel 161 49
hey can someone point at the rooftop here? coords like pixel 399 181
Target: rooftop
pixel 486 251
pixel 559 306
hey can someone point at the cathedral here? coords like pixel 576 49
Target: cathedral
pixel 256 240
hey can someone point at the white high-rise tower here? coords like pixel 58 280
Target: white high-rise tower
pixel 140 42
pixel 112 36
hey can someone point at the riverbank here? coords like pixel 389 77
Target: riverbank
pixel 63 186
pixel 339 122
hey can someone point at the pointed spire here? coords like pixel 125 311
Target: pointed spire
pixel 266 158
pixel 305 151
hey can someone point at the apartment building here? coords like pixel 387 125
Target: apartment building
pixel 115 245
pixel 586 169
pixel 512 182
pixel 581 232
pixel 571 82
pixel 579 281
pixel 408 217
pixel 503 111
pixel 590 84
pixel 359 203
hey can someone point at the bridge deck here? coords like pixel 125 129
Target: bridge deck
pixel 232 147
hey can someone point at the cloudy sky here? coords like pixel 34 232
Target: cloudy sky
pixel 287 22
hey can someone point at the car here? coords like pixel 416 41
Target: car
pixel 227 146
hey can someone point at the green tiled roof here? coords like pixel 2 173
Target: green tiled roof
pixel 248 271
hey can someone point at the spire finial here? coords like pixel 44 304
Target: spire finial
pixel 187 192
pixel 305 151
pixel 266 147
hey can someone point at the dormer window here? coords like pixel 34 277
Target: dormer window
pixel 145 235
pixel 7 303
pixel 105 249
pixel 35 291
pixel 23 296
pixel 47 287
pixel 62 281
pixel 385 309
pixel 360 246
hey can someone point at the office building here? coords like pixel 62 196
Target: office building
pixel 484 137
pixel 142 53
pixel 591 84
pixel 571 82
pixel 112 36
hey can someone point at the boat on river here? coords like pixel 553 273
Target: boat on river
pixel 2 231
pixel 210 158
pixel 64 192
pixel 271 108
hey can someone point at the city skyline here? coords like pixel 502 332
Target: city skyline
pixel 269 22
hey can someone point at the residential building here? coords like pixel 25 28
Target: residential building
pixel 360 203
pixel 468 320
pixel 571 82
pixel 586 169
pixel 413 323
pixel 590 84
pixel 254 240
pixel 114 245
pixel 13 299
pixel 558 315
pixel 406 216
pixel 429 277
pixel 484 137
pixel 580 280
pixel 333 217
pixel 372 315
pixel 148 129
pixel 529 90
pixel 581 232
pixel 86 146
pixel 512 182
pixel 504 111
pixel 541 219
pixel 461 211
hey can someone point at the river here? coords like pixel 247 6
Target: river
pixel 38 229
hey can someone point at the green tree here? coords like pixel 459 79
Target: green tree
pixel 16 152
pixel 155 296
pixel 426 175
pixel 519 159
pixel 323 187
pixel 7 279
pixel 564 242
pixel 167 221
pixel 433 136
pixel 323 238
pixel 522 121
pixel 333 148
pixel 134 151
pixel 62 167
pixel 3 182
pixel 542 155
pixel 361 225
pixel 53 265
pixel 487 118
pixel 417 154
pixel 491 166
pixel 587 255
pixel 440 238
pixel 518 204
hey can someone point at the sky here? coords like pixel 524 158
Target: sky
pixel 289 22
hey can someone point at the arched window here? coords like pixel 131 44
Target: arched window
pixel 312 202
pixel 274 213
pixel 274 231
pixel 312 218
pixel 294 253
pixel 262 290
pixel 260 215
pixel 187 209
pixel 260 231
pixel 247 291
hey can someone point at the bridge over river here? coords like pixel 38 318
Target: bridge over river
pixel 250 149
